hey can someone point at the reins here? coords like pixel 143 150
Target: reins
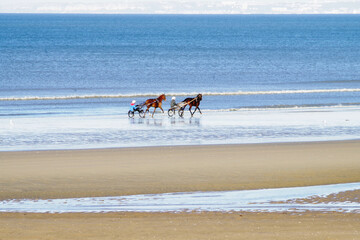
pixel 156 100
pixel 195 98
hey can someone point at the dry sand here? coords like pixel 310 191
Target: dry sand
pixel 185 226
pixel 113 172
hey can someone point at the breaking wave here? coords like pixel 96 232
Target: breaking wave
pixel 277 107
pixel 135 95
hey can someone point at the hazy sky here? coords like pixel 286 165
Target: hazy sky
pixel 180 6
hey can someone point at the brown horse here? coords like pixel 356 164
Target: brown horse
pixel 193 102
pixel 155 102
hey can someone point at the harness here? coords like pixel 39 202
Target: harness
pixel 195 98
pixel 147 104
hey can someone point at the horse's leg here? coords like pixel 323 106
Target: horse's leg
pixel 190 110
pixel 194 110
pixel 161 109
pixel 197 107
pixel 148 110
pixel 154 111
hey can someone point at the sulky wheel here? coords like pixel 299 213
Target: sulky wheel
pixel 131 114
pixel 181 112
pixel 142 113
pixel 171 112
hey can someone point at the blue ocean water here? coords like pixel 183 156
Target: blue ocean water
pixel 76 65
pixel 125 55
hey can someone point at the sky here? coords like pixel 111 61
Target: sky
pixel 182 6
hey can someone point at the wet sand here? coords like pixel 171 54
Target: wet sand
pixel 114 172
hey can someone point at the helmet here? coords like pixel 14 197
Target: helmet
pixel 133 101
pixel 173 98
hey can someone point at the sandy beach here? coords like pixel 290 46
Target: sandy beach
pixel 272 151
pixel 127 171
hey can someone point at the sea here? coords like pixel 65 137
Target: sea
pixel 67 80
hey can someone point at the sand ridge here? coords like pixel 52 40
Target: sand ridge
pixel 128 171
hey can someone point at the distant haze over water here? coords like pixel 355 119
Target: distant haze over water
pixel 183 6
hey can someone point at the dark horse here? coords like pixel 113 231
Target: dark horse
pixel 193 102
pixel 155 102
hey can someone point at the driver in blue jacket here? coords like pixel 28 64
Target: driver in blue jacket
pixel 133 107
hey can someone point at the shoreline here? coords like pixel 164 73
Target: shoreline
pixel 211 128
pixel 183 146
pixel 324 198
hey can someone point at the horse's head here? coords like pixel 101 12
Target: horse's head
pixel 199 96
pixel 162 97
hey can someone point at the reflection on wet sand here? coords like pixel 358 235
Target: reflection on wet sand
pixel 163 121
pixel 188 121
pixel 154 122
pixel 150 122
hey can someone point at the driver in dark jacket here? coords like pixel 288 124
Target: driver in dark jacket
pixel 173 102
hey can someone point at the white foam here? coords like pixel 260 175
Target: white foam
pixel 134 95
pixel 246 200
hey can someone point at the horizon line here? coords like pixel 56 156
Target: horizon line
pixel 111 13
